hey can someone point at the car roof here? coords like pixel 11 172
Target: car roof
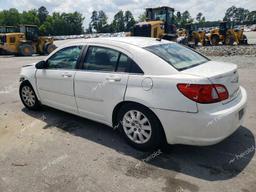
pixel 122 41
pixel 133 47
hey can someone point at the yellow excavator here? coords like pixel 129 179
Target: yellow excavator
pixel 227 35
pixel 25 41
pixel 159 24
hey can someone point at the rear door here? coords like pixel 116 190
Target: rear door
pixel 101 84
pixel 55 84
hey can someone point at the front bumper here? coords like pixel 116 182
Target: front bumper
pixel 207 127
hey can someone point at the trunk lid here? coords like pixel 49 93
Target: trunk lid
pixel 219 73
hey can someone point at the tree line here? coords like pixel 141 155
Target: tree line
pixel 72 23
pixel 54 24
pixel 122 21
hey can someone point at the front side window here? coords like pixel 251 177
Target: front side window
pixel 177 55
pixel 65 58
pixel 101 59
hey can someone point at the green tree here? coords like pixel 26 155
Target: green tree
pixel 236 14
pixel 42 14
pixel 10 17
pixel 200 18
pixel 186 18
pixel 129 21
pixel 118 22
pixel 29 17
pixel 251 17
pixel 94 21
pixel 102 22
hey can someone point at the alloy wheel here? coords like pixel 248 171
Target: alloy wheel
pixel 28 96
pixel 137 126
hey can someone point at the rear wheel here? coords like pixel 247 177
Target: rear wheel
pixel 140 127
pixel 28 96
pixel 49 48
pixel 25 50
pixel 244 40
pixel 215 40
pixel 196 41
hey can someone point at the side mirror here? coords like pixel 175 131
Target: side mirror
pixel 41 65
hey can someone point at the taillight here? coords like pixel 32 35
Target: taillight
pixel 204 93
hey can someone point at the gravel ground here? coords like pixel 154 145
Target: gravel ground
pixel 53 151
pixel 228 50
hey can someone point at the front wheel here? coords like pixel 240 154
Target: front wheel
pixel 25 50
pixel 140 127
pixel 28 96
pixel 229 40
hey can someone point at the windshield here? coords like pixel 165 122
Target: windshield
pixel 159 15
pixel 177 55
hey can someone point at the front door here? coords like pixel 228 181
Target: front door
pixel 55 84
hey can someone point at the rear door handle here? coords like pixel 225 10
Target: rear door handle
pixel 66 75
pixel 113 78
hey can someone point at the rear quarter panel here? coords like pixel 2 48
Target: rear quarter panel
pixel 164 93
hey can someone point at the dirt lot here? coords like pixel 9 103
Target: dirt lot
pixel 53 151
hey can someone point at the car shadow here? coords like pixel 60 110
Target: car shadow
pixel 218 162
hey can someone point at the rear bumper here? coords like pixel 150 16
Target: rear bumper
pixel 205 127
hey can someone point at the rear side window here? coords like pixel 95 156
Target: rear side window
pixel 101 59
pixel 109 60
pixel 177 55
pixel 124 64
pixel 135 68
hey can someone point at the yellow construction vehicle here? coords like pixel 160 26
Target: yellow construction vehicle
pixel 227 35
pixel 190 35
pixel 26 42
pixel 8 29
pixel 159 24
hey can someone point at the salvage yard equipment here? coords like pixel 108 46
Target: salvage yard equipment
pixel 227 35
pixel 25 42
pixel 8 29
pixel 190 35
pixel 159 24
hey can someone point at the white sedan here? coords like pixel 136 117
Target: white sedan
pixel 153 90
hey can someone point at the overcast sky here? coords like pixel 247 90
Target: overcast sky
pixel 211 9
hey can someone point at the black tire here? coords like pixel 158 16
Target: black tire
pixel 25 50
pixel 215 40
pixel 157 137
pixel 229 40
pixel 34 104
pixel 244 40
pixel 49 48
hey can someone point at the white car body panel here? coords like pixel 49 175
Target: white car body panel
pixel 56 88
pixel 97 94
pixel 94 95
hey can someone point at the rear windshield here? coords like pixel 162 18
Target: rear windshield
pixel 177 55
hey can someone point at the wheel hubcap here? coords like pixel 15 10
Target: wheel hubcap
pixel 28 96
pixel 137 126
